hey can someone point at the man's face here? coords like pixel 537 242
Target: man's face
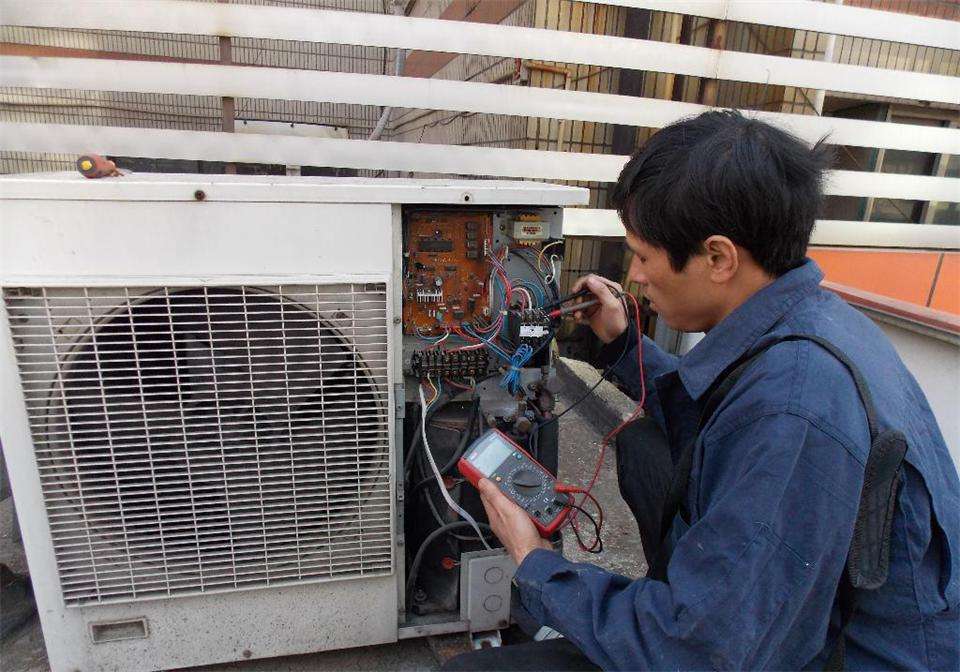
pixel 685 300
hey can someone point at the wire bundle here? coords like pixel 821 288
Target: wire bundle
pixel 424 407
pixel 511 379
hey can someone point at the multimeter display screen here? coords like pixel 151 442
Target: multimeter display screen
pixel 489 453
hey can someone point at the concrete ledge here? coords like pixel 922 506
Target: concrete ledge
pixel 606 407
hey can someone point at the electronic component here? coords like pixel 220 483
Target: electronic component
pixel 435 245
pixel 527 231
pixel 429 295
pixel 446 272
pixel 530 326
pixel 449 363
pixel 520 477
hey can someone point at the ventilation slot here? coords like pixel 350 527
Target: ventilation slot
pixel 118 631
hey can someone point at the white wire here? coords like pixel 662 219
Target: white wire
pixel 527 294
pixel 544 249
pixel 553 268
pixel 444 337
pixel 436 472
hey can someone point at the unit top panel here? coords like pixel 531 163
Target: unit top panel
pixel 286 189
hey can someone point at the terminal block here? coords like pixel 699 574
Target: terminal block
pixel 449 363
pixel 529 326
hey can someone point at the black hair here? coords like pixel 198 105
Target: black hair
pixel 721 173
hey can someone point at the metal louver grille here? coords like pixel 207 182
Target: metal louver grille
pixel 205 439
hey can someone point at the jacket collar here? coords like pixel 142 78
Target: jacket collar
pixel 742 328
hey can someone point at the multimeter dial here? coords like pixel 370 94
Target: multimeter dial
pixel 528 486
pixel 525 482
pixel 521 478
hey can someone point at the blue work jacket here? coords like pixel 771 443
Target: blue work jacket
pixel 773 495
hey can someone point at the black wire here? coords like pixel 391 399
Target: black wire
pixel 418 435
pixel 552 287
pixel 418 558
pixel 427 472
pixel 461 447
pixel 432 505
pixel 598 544
pixel 606 372
pixel 465 439
pixel 441 522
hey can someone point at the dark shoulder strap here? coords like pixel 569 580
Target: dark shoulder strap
pixel 865 397
pixel 677 495
pixel 868 560
pixel 722 386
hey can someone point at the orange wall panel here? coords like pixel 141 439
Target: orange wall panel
pixel 904 275
pixel 946 295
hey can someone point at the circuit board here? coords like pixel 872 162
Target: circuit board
pixel 446 276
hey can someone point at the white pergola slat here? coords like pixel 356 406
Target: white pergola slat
pixel 168 16
pixel 821 17
pixel 289 150
pixel 408 92
pixel 401 156
pixel 605 223
pixel 356 28
pixel 892 185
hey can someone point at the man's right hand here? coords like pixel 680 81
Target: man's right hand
pixel 607 319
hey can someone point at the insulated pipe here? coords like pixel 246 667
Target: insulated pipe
pixel 397 70
pixel 820 94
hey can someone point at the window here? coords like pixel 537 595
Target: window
pixel 895 161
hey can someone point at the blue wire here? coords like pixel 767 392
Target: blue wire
pixel 511 379
pixel 429 339
pixel 493 347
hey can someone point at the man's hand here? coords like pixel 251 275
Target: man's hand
pixel 510 523
pixel 607 319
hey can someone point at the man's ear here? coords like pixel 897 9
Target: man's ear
pixel 723 258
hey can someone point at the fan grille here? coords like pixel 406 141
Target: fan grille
pixel 208 439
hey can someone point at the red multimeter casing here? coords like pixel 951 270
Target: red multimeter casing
pixel 520 477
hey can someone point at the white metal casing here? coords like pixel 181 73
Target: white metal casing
pixel 63 234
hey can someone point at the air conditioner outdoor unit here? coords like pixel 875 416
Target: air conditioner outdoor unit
pixel 209 383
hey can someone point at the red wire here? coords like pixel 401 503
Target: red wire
pixel 561 487
pixel 507 287
pixel 619 428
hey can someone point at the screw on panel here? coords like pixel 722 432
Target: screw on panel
pixel 466 198
pixel 199 194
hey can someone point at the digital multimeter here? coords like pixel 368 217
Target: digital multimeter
pixel 520 477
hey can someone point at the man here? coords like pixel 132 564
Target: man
pixel 718 213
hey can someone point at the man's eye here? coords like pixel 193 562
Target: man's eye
pixel 643 260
